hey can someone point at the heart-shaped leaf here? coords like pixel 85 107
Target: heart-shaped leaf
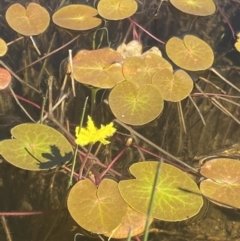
pixel 116 9
pixel 141 70
pixel 177 196
pixel 191 53
pixel 36 147
pixel 135 70
pixel 3 47
pixel 5 78
pixel 29 21
pixel 222 185
pixel 100 68
pixel 173 87
pixel 195 7
pixel 76 17
pixel 134 220
pixel 135 105
pixel 98 210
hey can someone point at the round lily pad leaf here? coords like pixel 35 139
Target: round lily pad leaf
pixel 195 7
pixel 141 70
pixel 173 87
pixel 135 70
pixel 134 220
pixel 29 21
pixel 3 47
pixel 135 105
pixel 76 17
pixel 98 210
pixel 155 63
pixel 116 9
pixel 237 44
pixel 222 185
pixel 36 147
pixel 191 53
pixel 5 78
pixel 101 68
pixel 177 196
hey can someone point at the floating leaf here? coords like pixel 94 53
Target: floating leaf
pixel 177 196
pixel 222 185
pixel 76 17
pixel 155 63
pixel 153 50
pixel 173 87
pixel 3 47
pixel 116 9
pixel 100 68
pixel 29 21
pixel 98 210
pixel 141 70
pixel 36 147
pixel 135 105
pixel 135 70
pixel 5 78
pixel 134 220
pixel 237 44
pixel 195 7
pixel 191 53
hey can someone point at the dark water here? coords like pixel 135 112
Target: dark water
pixel 33 191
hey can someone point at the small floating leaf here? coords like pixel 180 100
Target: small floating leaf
pixel 117 9
pixel 237 44
pixel 3 47
pixel 173 87
pixel 191 53
pixel 76 17
pixel 134 220
pixel 5 78
pixel 98 210
pixel 141 69
pixel 135 105
pixel 100 68
pixel 29 21
pixel 36 147
pixel 195 7
pixel 135 70
pixel 177 195
pixel 222 185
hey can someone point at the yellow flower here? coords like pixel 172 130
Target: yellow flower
pixel 91 134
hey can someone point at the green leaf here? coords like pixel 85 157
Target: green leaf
pixel 134 220
pixel 173 86
pixel 36 147
pixel 195 7
pixel 135 105
pixel 29 21
pixel 222 185
pixel 76 17
pixel 191 53
pixel 177 195
pixel 3 47
pixel 100 68
pixel 98 210
pixel 140 70
pixel 116 9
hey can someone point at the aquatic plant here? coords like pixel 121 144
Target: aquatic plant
pixel 138 84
